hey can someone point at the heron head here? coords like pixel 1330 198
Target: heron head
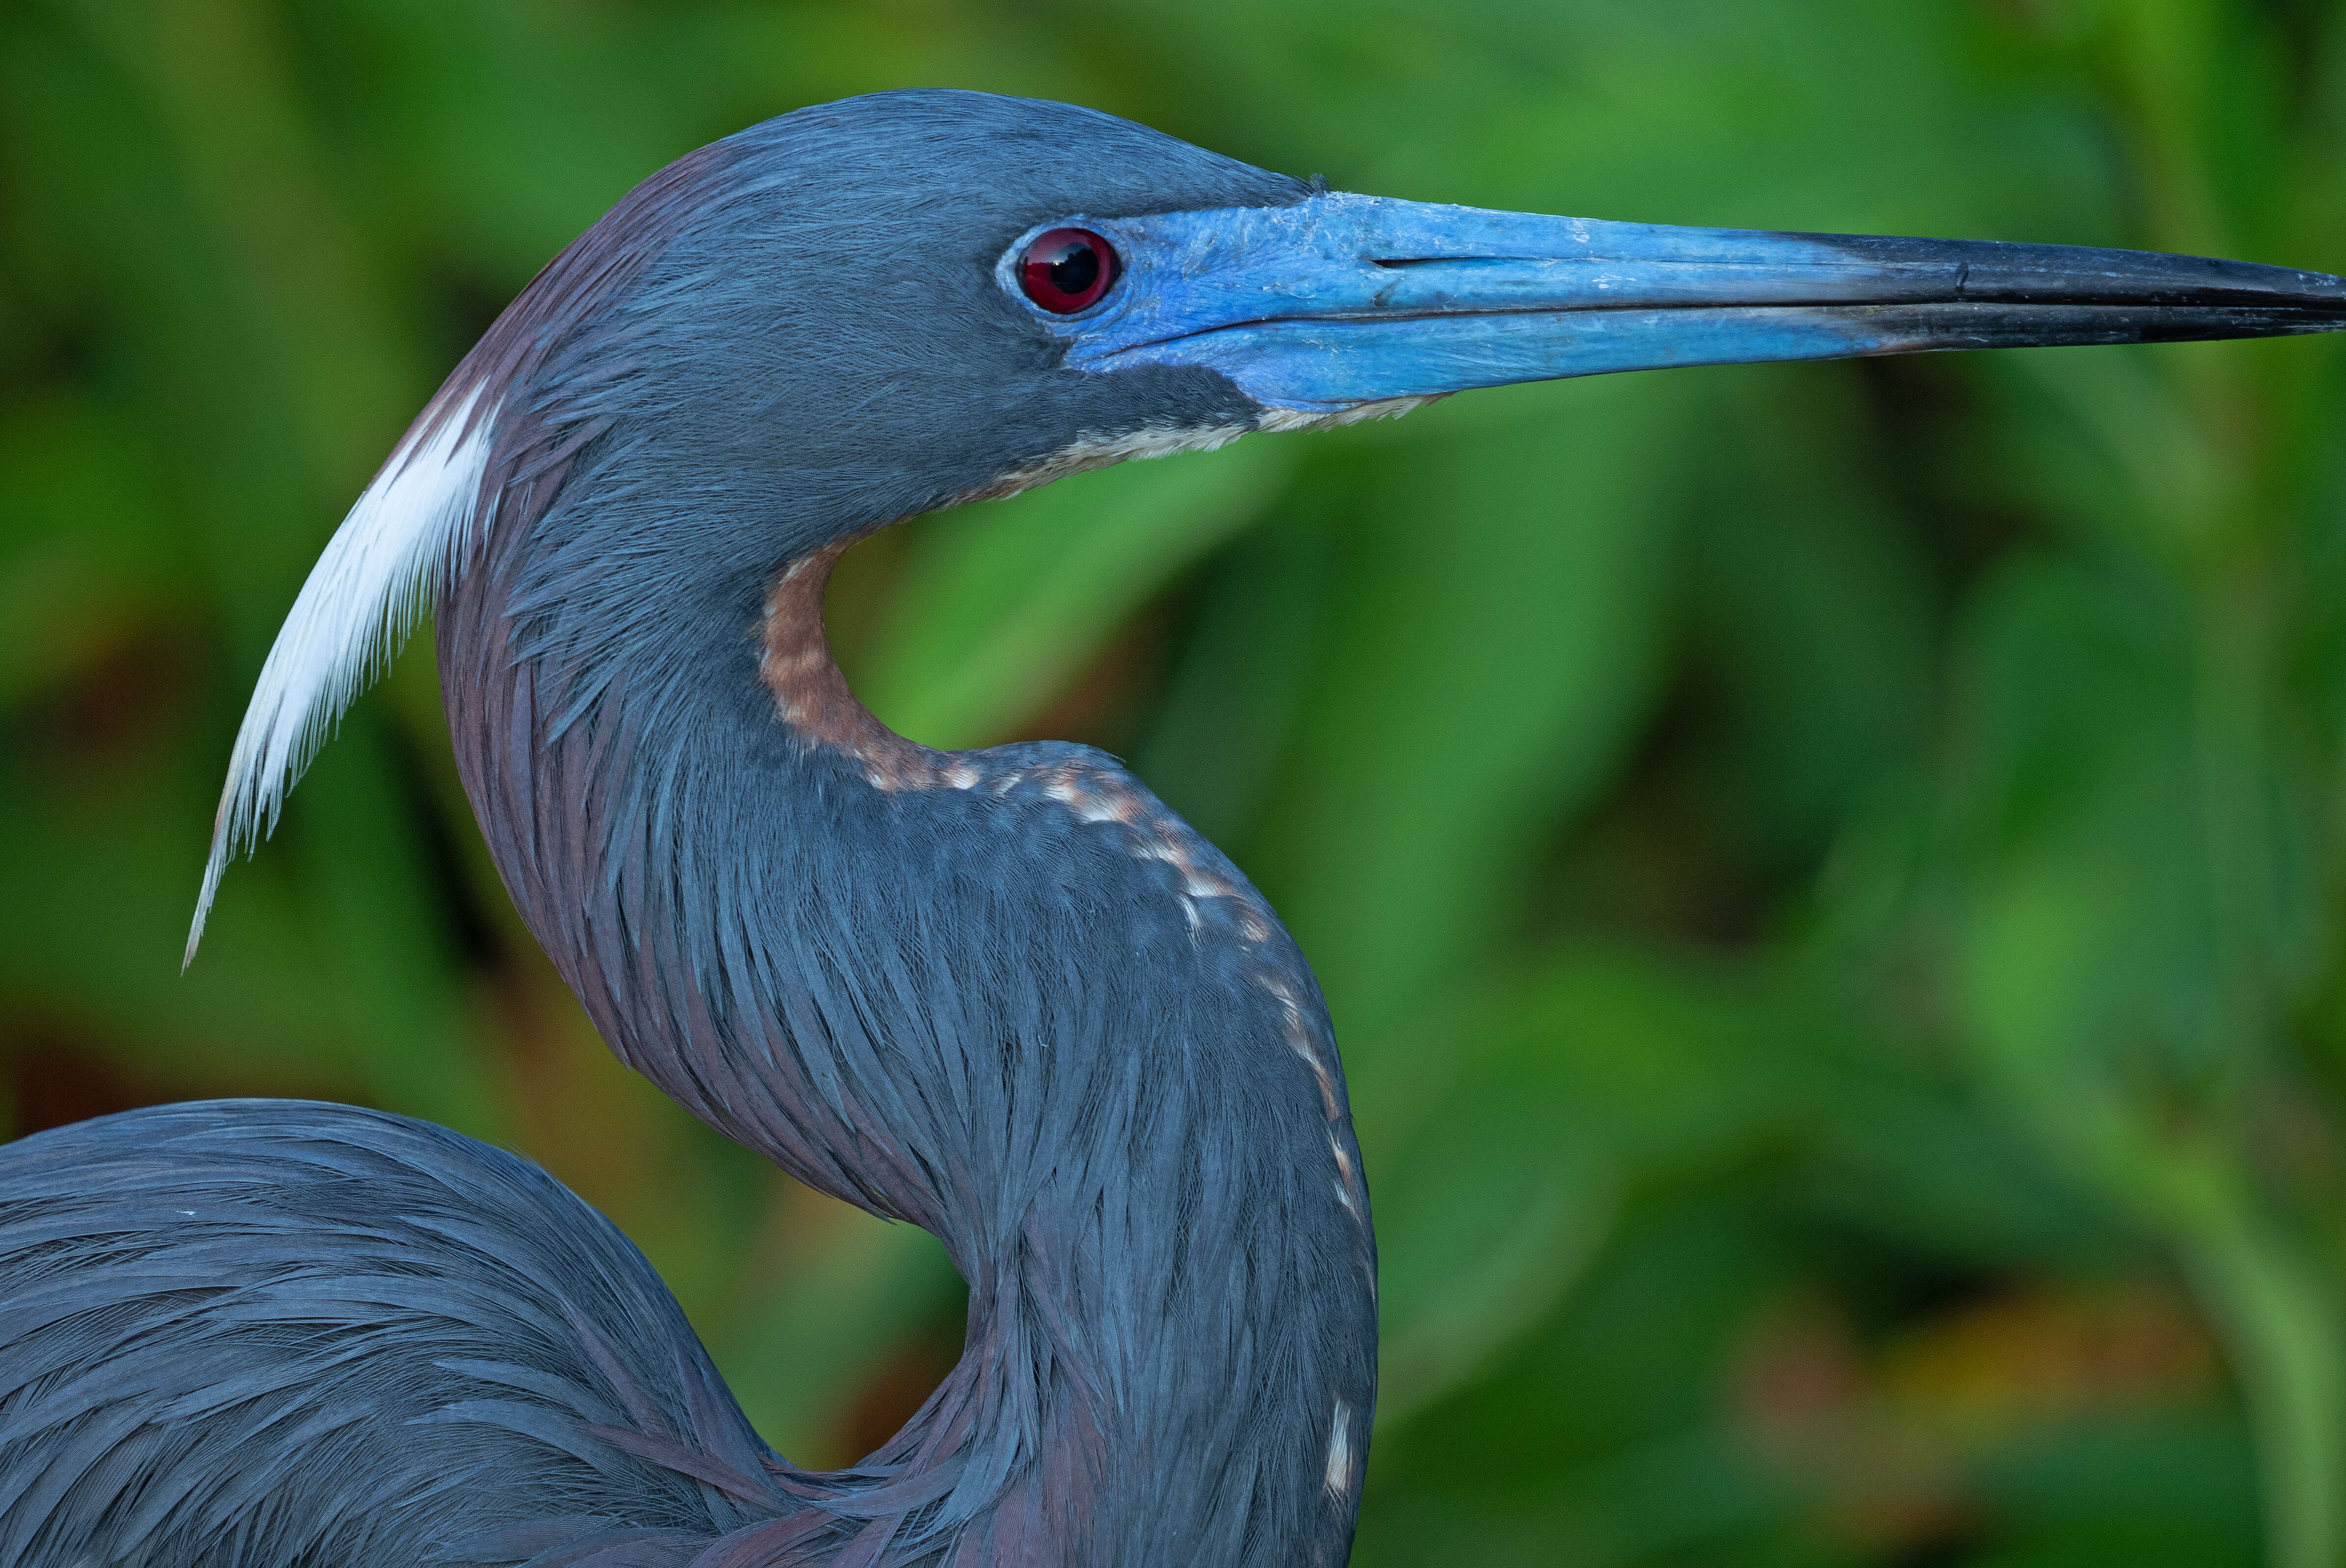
pixel 914 298
pixel 828 306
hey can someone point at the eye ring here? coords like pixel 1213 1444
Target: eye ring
pixel 1064 271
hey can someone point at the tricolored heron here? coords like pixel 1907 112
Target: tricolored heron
pixel 1003 994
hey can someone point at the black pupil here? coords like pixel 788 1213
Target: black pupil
pixel 1077 270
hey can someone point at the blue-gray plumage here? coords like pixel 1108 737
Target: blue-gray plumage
pixel 323 1328
pixel 1003 994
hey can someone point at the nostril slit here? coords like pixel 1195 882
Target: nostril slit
pixel 1437 260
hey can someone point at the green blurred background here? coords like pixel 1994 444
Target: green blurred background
pixel 1828 876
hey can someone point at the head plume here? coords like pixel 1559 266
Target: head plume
pixel 418 523
pixel 361 599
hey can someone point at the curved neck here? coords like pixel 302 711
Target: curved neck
pixel 1004 995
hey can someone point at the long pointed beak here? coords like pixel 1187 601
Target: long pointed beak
pixel 1343 299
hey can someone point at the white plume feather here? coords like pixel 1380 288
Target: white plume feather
pixel 354 612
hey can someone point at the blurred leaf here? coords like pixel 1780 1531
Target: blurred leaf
pixel 1497 641
pixel 998 608
pixel 855 1286
pixel 1600 1072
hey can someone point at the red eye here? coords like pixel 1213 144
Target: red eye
pixel 1067 268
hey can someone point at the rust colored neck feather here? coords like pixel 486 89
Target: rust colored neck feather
pixel 797 667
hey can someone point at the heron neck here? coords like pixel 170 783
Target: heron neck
pixel 1004 995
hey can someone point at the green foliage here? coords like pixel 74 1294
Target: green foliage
pixel 1826 875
